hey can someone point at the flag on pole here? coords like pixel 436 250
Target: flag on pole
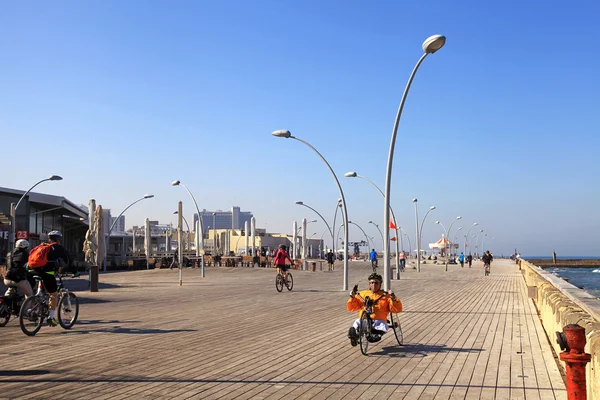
pixel 392 226
pixel 393 239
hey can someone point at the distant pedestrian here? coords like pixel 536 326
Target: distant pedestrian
pixel 175 254
pixel 470 259
pixel 461 259
pixel 402 260
pixel 487 261
pixel 330 259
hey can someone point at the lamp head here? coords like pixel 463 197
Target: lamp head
pixel 300 203
pixel 314 220
pixel 475 224
pixel 433 43
pixel 437 222
pixel 350 174
pixel 175 183
pixel 432 208
pixel 148 196
pixel 283 133
pixel 370 222
pixel 459 217
pixel 55 178
pixel 175 212
pixel 414 200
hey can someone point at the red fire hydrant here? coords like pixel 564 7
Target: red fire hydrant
pixel 572 343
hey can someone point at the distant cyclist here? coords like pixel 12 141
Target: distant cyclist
pixel 487 259
pixel 279 260
pixel 384 304
pixel 373 258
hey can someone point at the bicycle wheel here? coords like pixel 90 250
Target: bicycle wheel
pixel 32 315
pixel 364 332
pixel 4 312
pixel 289 282
pixel 68 310
pixel 279 282
pixel 395 324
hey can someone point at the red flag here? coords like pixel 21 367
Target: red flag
pixel 392 226
pixel 393 239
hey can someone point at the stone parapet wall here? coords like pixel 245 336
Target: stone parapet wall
pixel 560 303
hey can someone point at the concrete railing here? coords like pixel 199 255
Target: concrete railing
pixel 560 303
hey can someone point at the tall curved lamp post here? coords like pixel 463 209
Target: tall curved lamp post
pixel 407 238
pixel 13 222
pixel 381 233
pixel 177 183
pixel 338 205
pixel 188 226
pixel 353 174
pixel 419 233
pixel 482 241
pixel 430 46
pixel 448 238
pixel 476 241
pixel 364 233
pixel 147 196
pixel 467 236
pixel 300 203
pixel 286 134
pixel 422 223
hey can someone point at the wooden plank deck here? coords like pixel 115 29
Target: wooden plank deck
pixel 231 335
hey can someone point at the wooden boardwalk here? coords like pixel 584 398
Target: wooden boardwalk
pixel 232 336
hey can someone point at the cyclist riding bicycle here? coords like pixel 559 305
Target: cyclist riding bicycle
pixel 57 258
pixel 16 274
pixel 373 258
pixel 384 304
pixel 279 261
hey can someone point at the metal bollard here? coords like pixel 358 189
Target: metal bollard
pixel 572 343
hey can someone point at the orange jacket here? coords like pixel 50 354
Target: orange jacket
pixel 381 309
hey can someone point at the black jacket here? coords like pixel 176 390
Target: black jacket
pixel 16 265
pixel 57 257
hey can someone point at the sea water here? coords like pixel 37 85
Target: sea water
pixel 586 278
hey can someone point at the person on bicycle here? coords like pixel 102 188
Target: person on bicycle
pixel 487 260
pixel 373 258
pixel 58 258
pixel 384 304
pixel 402 260
pixel 279 260
pixel 16 274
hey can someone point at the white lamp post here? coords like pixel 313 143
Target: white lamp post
pixel 14 216
pixel 147 196
pixel 448 238
pixel 377 226
pixel 177 183
pixel 430 46
pixel 300 203
pixel 467 236
pixel 288 135
pixel 355 175
pixel 188 229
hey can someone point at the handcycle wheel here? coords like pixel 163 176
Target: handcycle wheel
pixel 279 282
pixel 395 323
pixel 68 310
pixel 364 332
pixel 4 313
pixel 289 282
pixel 31 315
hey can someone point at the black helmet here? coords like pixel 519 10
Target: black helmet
pixel 376 277
pixel 282 247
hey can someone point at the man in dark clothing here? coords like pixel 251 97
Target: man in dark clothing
pixel 470 259
pixel 16 274
pixel 487 261
pixel 330 259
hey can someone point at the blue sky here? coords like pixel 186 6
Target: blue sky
pixel 121 98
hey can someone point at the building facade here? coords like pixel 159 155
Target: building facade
pixel 219 219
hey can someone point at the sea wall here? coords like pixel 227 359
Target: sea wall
pixel 560 303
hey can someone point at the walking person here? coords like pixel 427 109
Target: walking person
pixel 175 254
pixel 470 259
pixel 461 259
pixel 330 259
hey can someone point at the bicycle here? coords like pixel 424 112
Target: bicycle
pixel 10 304
pixel 367 334
pixel 281 280
pixel 486 269
pixel 36 308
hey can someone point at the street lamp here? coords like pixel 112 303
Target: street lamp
pixel 177 183
pixel 419 235
pixel 377 226
pixel 430 46
pixel 300 203
pixel 147 196
pixel 467 236
pixel 423 222
pixel 448 238
pixel 407 238
pixel 14 217
pixel 364 233
pixel 188 226
pixel 338 205
pixel 477 240
pixel 355 175
pixel 483 240
pixel 288 135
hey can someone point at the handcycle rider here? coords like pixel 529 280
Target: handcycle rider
pixel 384 303
pixel 279 261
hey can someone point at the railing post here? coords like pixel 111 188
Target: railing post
pixel 572 342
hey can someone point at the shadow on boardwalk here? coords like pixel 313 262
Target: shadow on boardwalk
pixel 418 350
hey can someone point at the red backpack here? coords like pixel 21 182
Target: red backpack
pixel 38 257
